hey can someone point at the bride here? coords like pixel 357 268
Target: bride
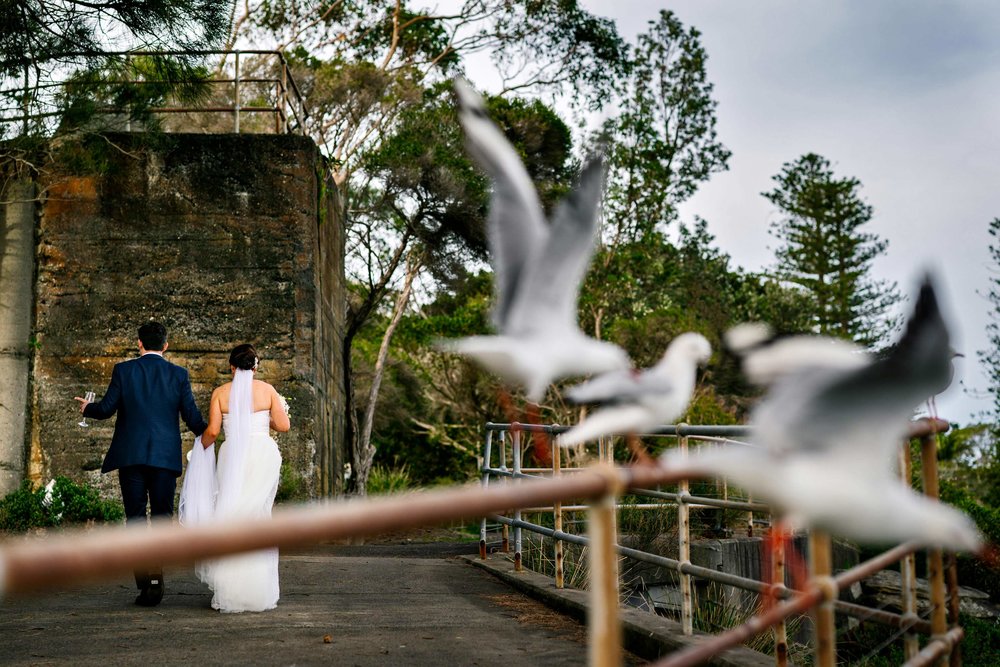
pixel 246 479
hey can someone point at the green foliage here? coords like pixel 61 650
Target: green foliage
pixel 990 357
pixel 291 486
pixel 42 40
pixel 68 503
pixel 826 254
pixel 663 144
pixel 131 87
pixel 973 571
pixel 385 480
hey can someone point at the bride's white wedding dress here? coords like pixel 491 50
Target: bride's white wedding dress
pixel 246 479
pixel 248 582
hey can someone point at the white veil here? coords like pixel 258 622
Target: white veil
pixel 238 429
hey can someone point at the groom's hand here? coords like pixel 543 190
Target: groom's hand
pixel 83 402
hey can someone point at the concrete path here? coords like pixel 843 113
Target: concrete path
pixel 375 605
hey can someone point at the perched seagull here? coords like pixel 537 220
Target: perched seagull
pixel 830 427
pixel 537 267
pixel 635 402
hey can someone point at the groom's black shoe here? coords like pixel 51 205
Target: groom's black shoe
pixel 152 594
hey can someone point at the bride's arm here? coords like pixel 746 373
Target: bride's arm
pixel 279 418
pixel 214 421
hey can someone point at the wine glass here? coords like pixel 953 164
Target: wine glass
pixel 89 397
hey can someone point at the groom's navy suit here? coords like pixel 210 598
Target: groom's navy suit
pixel 148 394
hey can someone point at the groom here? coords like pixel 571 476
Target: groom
pixel 147 393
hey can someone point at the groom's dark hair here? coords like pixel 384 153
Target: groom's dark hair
pixel 153 336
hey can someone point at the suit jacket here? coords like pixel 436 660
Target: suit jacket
pixel 147 393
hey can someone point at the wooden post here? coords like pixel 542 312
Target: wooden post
pixel 820 569
pixel 605 630
pixel 557 518
pixel 684 545
pixel 935 557
pixel 908 568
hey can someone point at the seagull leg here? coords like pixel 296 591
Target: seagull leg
pixel 639 453
pixel 775 543
pixel 543 450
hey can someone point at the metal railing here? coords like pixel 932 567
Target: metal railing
pixel 77 557
pixel 818 594
pixel 282 98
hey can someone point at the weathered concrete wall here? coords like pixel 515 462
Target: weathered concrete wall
pixel 17 268
pixel 221 238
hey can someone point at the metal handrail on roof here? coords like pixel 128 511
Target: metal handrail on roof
pixel 287 104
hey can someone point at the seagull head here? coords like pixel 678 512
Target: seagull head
pixel 690 347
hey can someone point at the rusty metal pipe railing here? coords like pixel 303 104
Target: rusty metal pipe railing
pixel 937 649
pixel 754 586
pixel 813 595
pixel 74 557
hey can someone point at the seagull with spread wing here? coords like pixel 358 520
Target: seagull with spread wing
pixel 637 402
pixel 537 267
pixel 829 429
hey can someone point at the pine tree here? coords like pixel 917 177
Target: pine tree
pixel 825 253
pixel 990 357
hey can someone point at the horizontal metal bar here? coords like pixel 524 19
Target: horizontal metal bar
pixel 688 499
pixel 675 430
pixel 918 429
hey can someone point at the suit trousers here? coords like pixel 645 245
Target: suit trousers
pixel 141 485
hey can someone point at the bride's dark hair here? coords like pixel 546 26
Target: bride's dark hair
pixel 243 357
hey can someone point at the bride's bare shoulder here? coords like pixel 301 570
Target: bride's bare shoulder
pixel 222 389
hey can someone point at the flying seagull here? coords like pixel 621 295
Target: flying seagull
pixel 537 267
pixel 635 402
pixel 829 429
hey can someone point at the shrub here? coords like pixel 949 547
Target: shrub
pixel 67 503
pixel 383 480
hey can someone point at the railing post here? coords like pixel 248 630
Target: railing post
pixel 504 529
pixel 24 102
pixel 820 570
pixel 516 444
pixel 604 647
pixel 236 92
pixel 557 514
pixel 684 543
pixel 935 556
pixel 487 452
pixel 284 96
pixel 908 568
pixel 778 542
pixel 954 606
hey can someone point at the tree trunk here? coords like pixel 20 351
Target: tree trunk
pixel 365 450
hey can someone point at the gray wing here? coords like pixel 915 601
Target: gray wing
pixel 515 228
pixel 867 410
pixel 551 284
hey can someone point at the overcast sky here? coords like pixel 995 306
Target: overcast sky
pixel 902 95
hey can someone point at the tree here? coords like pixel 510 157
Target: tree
pixel 42 41
pixel 825 253
pixel 663 143
pixel 990 357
